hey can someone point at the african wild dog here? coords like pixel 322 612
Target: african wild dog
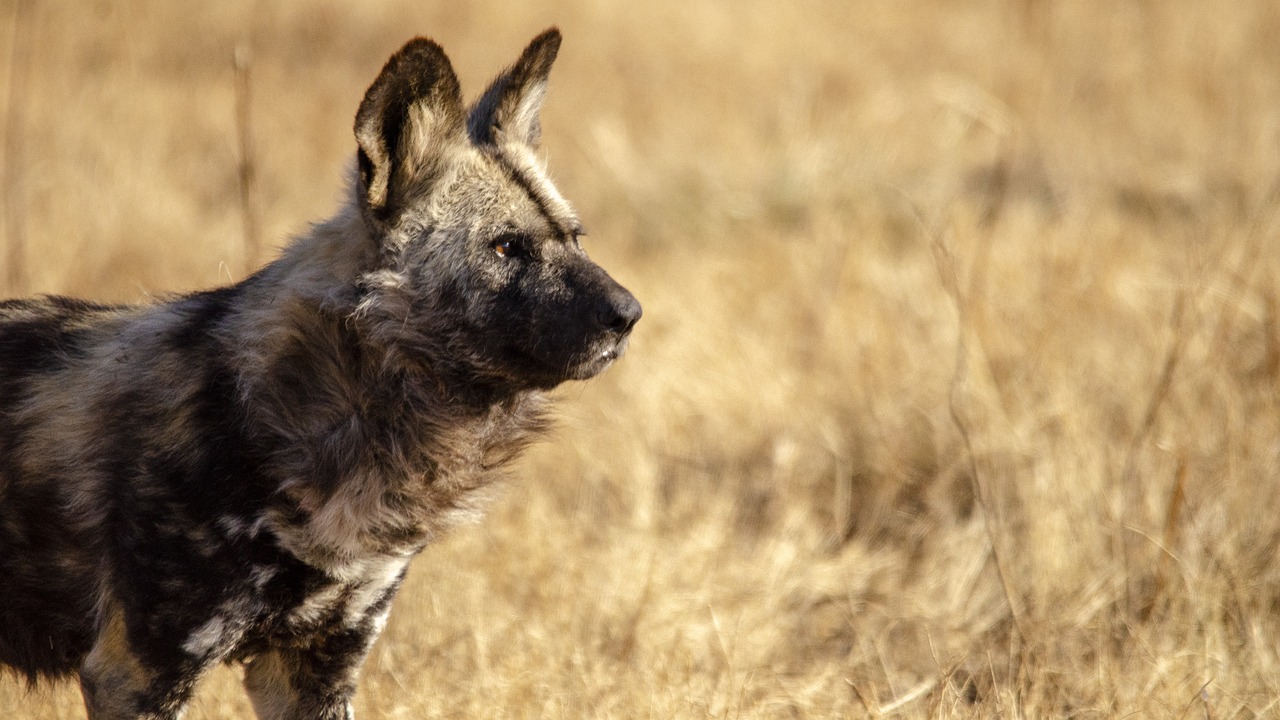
pixel 243 474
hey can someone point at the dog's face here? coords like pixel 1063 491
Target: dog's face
pixel 479 250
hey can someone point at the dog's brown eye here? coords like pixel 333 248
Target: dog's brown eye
pixel 508 245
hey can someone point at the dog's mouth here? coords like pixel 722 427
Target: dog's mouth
pixel 615 352
pixel 583 364
pixel 599 357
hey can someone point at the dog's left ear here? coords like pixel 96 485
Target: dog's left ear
pixel 508 110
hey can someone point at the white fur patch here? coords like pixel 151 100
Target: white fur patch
pixel 379 575
pixel 533 170
pixel 262 574
pixel 206 638
pixel 525 117
pixel 231 525
pixel 315 607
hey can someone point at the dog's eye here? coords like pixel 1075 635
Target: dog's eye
pixel 508 245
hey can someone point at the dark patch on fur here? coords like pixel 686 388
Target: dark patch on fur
pixel 46 610
pixel 42 339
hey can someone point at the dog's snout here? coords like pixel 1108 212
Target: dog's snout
pixel 619 311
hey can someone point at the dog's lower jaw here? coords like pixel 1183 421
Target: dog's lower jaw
pixel 599 359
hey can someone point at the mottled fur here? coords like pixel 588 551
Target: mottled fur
pixel 244 474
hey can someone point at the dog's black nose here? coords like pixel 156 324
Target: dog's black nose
pixel 619 312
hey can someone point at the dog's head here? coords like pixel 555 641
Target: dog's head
pixel 480 265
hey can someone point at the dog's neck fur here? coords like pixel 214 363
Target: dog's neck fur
pixel 382 451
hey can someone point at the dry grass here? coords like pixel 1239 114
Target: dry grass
pixel 956 393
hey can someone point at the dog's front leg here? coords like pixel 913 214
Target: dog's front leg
pixel 118 683
pixel 312 684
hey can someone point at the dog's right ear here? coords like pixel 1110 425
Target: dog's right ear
pixel 508 110
pixel 408 124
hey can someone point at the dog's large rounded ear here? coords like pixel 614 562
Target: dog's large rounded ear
pixel 508 110
pixel 409 121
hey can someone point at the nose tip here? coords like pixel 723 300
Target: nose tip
pixel 620 312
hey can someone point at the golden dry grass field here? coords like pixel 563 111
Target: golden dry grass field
pixel 956 394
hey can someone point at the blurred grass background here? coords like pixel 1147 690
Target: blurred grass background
pixel 956 392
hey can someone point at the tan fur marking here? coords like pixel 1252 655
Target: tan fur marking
pixel 112 670
pixel 266 679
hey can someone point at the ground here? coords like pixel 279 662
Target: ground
pixel 956 390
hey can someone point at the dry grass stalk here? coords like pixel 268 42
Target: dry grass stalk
pixel 20 51
pixel 1169 539
pixel 945 263
pixel 1129 488
pixel 247 166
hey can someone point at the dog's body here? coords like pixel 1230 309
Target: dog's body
pixel 244 474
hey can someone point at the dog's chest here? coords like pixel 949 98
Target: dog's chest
pixel 298 606
pixel 395 509
pixel 360 596
pixel 289 604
